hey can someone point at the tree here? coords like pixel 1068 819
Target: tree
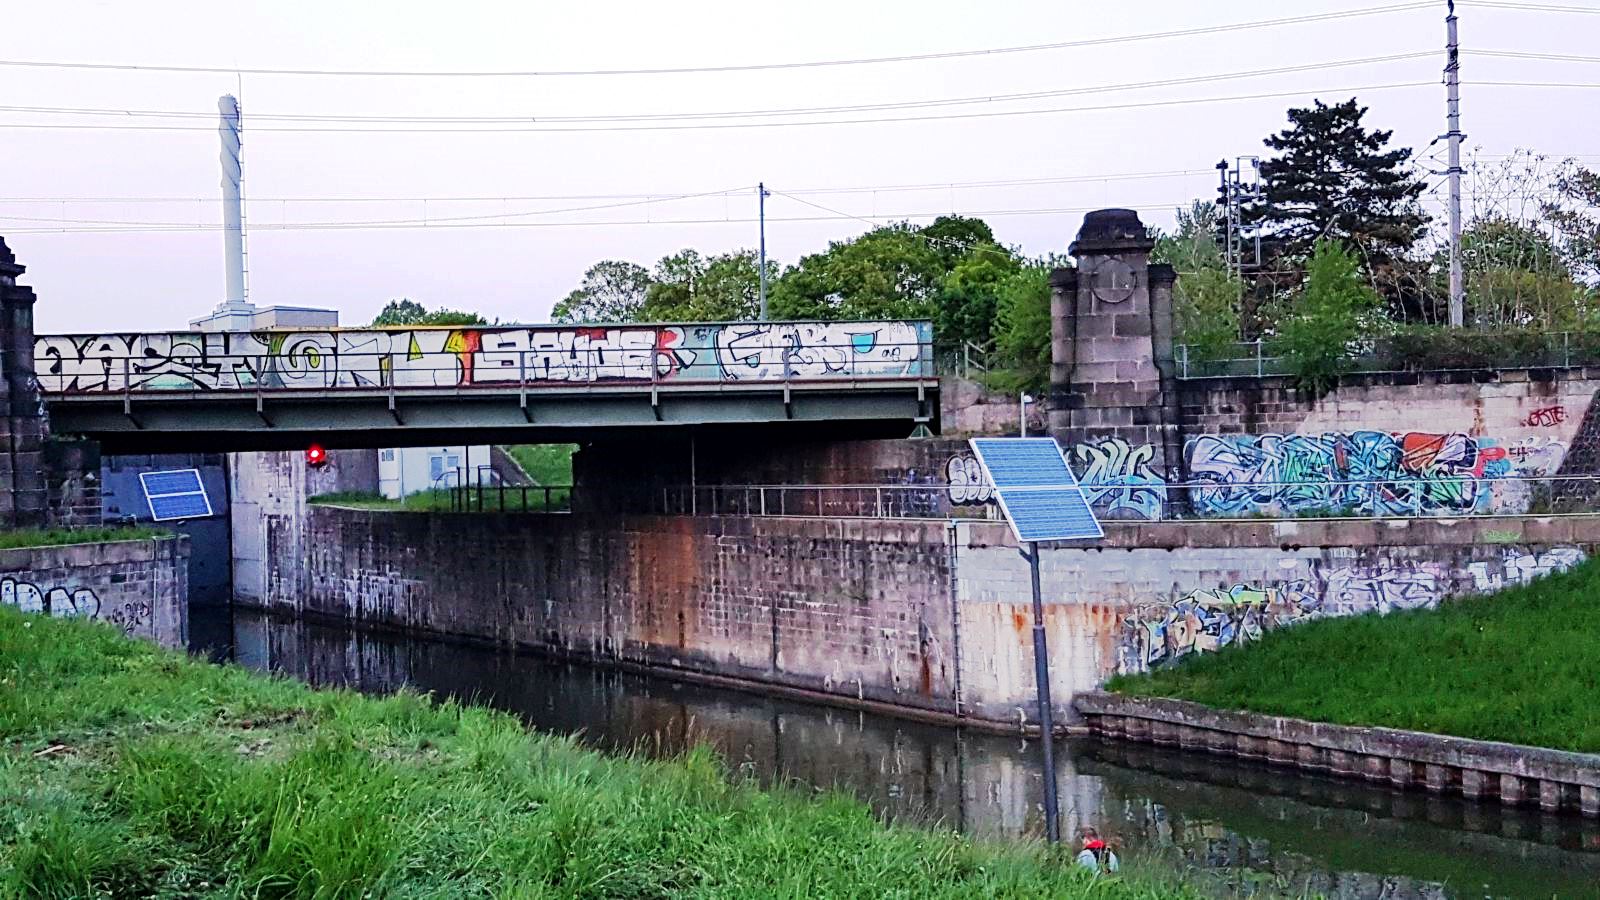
pixel 612 291
pixel 969 295
pixel 1327 319
pixel 1574 216
pixel 409 312
pixel 1022 324
pixel 1333 179
pixel 688 287
pixel 891 272
pixel 1205 300
pixel 1515 277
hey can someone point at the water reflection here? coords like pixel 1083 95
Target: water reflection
pixel 1248 830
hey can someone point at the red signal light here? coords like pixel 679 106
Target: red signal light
pixel 316 457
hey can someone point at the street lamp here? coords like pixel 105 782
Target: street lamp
pixel 1022 412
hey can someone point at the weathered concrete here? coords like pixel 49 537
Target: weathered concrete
pixel 1514 774
pixel 22 415
pixel 926 615
pixel 140 586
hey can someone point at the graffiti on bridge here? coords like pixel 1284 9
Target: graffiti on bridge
pixel 1207 620
pixel 438 357
pixel 1363 471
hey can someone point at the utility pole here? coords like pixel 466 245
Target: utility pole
pixel 1452 83
pixel 761 193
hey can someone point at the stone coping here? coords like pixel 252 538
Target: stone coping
pixel 1512 772
pixel 1294 534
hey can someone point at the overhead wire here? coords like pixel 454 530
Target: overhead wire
pixel 750 67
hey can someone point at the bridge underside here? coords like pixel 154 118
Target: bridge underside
pixel 285 420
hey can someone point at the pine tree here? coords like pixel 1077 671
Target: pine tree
pixel 1333 179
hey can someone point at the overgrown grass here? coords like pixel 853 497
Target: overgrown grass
pixel 55 537
pixel 1521 666
pixel 131 771
pixel 545 463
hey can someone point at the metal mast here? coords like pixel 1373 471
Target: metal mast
pixel 1452 81
pixel 761 193
pixel 232 200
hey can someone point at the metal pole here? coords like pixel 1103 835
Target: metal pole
pixel 1041 679
pixel 1452 81
pixel 761 192
pixel 1022 415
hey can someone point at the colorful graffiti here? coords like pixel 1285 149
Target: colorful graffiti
pixel 56 601
pixel 1206 620
pixel 1371 472
pixel 429 357
pixel 1124 487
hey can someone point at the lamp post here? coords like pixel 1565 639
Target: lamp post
pixel 1022 412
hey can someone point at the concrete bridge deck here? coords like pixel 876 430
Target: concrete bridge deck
pixel 386 387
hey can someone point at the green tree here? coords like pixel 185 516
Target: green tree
pixel 1576 216
pixel 1206 297
pixel 409 312
pixel 612 291
pixel 969 295
pixel 1332 178
pixel 1022 325
pixel 1516 277
pixel 888 273
pixel 1327 319
pixel 688 287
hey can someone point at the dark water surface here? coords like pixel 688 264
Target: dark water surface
pixel 1245 829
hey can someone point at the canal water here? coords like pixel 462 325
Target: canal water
pixel 1240 829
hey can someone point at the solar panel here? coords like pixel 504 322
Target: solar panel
pixel 1037 491
pixel 175 494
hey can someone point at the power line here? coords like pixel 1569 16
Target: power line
pixel 727 114
pixel 858 189
pixel 1520 54
pixel 1533 7
pixel 786 124
pixel 753 67
pixel 899 216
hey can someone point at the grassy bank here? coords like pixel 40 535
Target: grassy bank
pixel 130 771
pixel 1521 666
pixel 56 537
pixel 510 499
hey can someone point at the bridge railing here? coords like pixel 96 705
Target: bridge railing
pixel 1440 496
pixel 485 357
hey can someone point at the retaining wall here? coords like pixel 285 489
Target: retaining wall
pixel 139 586
pixel 1513 774
pixel 926 616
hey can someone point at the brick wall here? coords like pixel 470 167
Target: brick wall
pixel 140 586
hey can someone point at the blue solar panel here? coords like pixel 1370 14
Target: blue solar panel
pixel 180 481
pixel 176 494
pixel 1037 491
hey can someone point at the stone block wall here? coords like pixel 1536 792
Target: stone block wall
pixel 860 609
pixel 926 615
pixel 139 586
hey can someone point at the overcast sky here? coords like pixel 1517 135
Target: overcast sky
pixel 130 279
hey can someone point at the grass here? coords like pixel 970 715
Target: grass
pixel 126 770
pixel 1521 666
pixel 56 537
pixel 545 463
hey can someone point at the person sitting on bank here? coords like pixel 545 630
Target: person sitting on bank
pixel 1096 856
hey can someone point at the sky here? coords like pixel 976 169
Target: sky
pixel 117 223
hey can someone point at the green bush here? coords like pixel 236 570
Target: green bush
pixel 1326 321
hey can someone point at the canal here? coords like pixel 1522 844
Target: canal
pixel 1239 829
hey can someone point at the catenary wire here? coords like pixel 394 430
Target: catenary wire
pixel 752 67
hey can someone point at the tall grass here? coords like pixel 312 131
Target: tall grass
pixel 131 771
pixel 53 537
pixel 1521 665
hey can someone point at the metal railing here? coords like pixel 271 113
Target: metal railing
pixel 1472 350
pixel 508 498
pixel 1427 496
pixel 777 353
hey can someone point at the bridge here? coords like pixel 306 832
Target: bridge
pixel 283 389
